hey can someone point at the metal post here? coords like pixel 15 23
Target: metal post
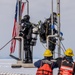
pixel 58 19
pixel 51 24
pixel 22 46
pixel 27 7
pixel 20 1
pixel 52 16
pixel 48 39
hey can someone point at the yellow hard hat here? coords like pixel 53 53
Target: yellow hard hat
pixel 47 53
pixel 69 52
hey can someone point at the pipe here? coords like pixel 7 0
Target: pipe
pixel 22 46
pixel 48 39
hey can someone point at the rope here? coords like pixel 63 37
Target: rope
pixel 63 46
pixel 43 46
pixel 57 44
pixel 60 53
pixel 54 52
pixel 6 44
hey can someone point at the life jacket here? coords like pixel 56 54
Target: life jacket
pixel 66 68
pixel 45 69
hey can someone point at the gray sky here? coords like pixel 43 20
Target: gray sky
pixel 39 10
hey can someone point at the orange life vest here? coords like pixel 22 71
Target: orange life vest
pixel 66 69
pixel 44 70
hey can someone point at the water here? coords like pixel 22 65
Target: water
pixel 5 68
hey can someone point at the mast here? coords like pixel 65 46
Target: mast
pixel 58 28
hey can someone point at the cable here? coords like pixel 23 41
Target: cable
pixel 6 43
pixel 56 44
pixel 63 46
pixel 54 52
pixel 57 53
pixel 43 46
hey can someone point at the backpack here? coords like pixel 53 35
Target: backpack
pixel 44 70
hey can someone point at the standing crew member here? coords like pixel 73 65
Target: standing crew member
pixel 45 66
pixel 66 64
pixel 46 29
pixel 26 33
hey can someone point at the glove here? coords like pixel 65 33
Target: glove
pixel 61 33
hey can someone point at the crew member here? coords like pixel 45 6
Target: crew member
pixel 45 66
pixel 66 64
pixel 26 33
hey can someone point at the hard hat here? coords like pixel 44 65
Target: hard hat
pixel 69 52
pixel 47 53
